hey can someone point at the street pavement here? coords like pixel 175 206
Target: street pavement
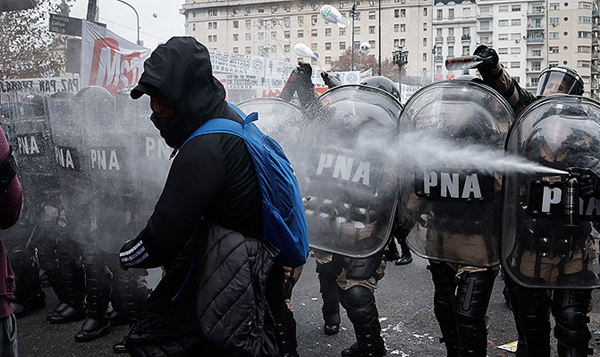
pixel 404 299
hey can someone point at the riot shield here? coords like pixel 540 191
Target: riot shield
pixel 109 136
pixel 279 119
pixel 35 155
pixel 348 188
pixel 71 153
pixel 454 210
pixel 547 227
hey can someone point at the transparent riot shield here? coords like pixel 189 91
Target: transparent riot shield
pixel 71 153
pixel 453 210
pixel 548 228
pixel 349 190
pixel 109 135
pixel 279 119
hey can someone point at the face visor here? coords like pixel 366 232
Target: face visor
pixel 558 81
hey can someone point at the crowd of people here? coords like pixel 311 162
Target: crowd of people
pixel 205 225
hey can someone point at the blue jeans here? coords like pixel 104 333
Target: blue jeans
pixel 8 337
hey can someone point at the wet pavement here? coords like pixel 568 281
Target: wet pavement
pixel 405 301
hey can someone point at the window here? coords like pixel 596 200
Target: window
pixel 327 60
pixel 342 46
pixel 286 21
pixel 515 8
pixel 396 43
pixel 300 6
pixel 515 50
pixel 466 51
pixel 235 50
pixel 451 32
pixel 503 37
pixel 314 19
pixel 274 35
pixel 356 45
pixel 515 65
pixel 402 42
pixel 248 50
pixel 371 30
pixel 554 6
pixel 193 27
pixel 536 53
pixel 440 14
pixel 313 46
pixel 402 27
pixel 342 32
pixel 450 51
pixel 451 14
pixel 585 64
pixel 286 34
pixel 300 33
pixel 372 15
pixel 248 24
pixel 536 65
pixel 342 4
pixel 503 23
pixel 585 20
pixel 584 49
pixel 300 20
pixel 553 49
pixel 503 51
pixel 327 32
pixel 261 10
pixel 534 81
pixel 553 35
pixel 212 38
pixel 517 79
pixel 585 5
pixel 484 25
pixel 396 28
pixel 372 43
pixel 357 16
pixel 273 9
pixel 236 37
pixel 327 46
pixel 236 24
pixel 438 32
pixel 425 11
pixel 515 22
pixel 424 26
pixel 503 8
pixel 213 13
pixel 484 39
pixel 287 8
pixel 466 12
pixel 248 37
pixel 425 57
pixel 194 14
pixel 314 33
pixel 515 36
pixel 584 34
pixel 210 25
pixel 484 11
pixel 396 13
pixel 536 23
pixel 402 12
pixel 424 42
pixel 357 30
pixel 554 21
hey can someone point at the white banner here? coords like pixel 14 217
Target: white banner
pixel 407 91
pixel 108 60
pixel 19 88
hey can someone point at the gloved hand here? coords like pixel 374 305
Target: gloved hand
pixel 330 81
pixel 589 182
pixel 491 65
pixel 304 73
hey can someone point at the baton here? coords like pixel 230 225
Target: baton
pixel 466 62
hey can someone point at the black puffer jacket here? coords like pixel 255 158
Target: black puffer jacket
pixel 212 180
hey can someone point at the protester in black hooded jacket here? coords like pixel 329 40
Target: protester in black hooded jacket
pixel 211 183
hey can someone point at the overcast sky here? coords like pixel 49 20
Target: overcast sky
pixel 159 19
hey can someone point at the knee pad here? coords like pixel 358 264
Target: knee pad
pixel 473 294
pixel 569 308
pixel 443 281
pixel 359 303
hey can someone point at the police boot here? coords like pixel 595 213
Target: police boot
pixel 569 308
pixel 359 303
pixel 470 305
pixel 331 298
pixel 28 294
pixel 66 278
pixel 533 318
pixel 97 289
pixel 443 302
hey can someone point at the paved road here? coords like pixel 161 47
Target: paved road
pixel 406 312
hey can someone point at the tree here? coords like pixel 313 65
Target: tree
pixel 362 62
pixel 27 44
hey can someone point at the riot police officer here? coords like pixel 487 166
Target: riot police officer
pixel 559 146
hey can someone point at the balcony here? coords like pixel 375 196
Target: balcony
pixel 533 70
pixel 439 39
pixel 450 39
pixel 536 12
pixel 535 40
pixel 465 38
pixel 489 29
pixel 439 58
pixel 485 15
pixel 539 27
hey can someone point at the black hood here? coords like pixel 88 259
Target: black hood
pixel 180 72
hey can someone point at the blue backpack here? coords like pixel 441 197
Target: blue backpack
pixel 283 212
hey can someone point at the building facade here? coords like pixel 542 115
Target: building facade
pixel 528 35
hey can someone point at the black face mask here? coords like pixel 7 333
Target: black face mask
pixel 174 133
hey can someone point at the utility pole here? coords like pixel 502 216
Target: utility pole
pixel 353 15
pixel 379 15
pixel 92 10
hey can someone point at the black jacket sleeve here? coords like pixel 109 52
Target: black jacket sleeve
pixel 195 178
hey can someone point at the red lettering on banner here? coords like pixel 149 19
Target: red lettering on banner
pixel 112 69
